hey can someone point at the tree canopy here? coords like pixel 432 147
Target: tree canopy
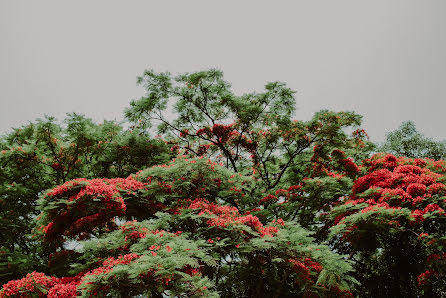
pixel 408 141
pixel 44 154
pixel 233 197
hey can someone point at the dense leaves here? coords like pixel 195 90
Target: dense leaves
pixel 407 141
pixel 44 154
pixel 393 226
pixel 252 132
pixel 232 198
pixel 196 233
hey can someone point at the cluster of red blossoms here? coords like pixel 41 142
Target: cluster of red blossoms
pixel 39 285
pixel 223 134
pixel 426 276
pixel 410 191
pixel 400 183
pixel 306 269
pixel 111 262
pixel 82 213
pixel 227 215
pixel 321 165
pixel 348 166
pixel 91 204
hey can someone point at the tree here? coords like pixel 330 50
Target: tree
pixel 243 210
pixel 407 141
pixel 393 227
pixel 43 154
pixel 182 237
pixel 253 132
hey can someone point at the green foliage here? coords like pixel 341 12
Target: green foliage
pixel 199 240
pixel 252 132
pixel 199 178
pixel 44 154
pixel 161 263
pixel 234 256
pixel 392 226
pixel 234 198
pixel 407 141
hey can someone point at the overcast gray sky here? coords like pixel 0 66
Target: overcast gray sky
pixel 384 59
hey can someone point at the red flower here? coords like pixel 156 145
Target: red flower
pixel 184 133
pixel 424 277
pixel 416 189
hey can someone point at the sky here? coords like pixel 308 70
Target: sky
pixel 385 60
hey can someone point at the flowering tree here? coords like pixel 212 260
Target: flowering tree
pixel 393 226
pixel 233 199
pixel 182 230
pixel 253 132
pixel 44 154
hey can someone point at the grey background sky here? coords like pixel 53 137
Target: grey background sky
pixel 384 59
